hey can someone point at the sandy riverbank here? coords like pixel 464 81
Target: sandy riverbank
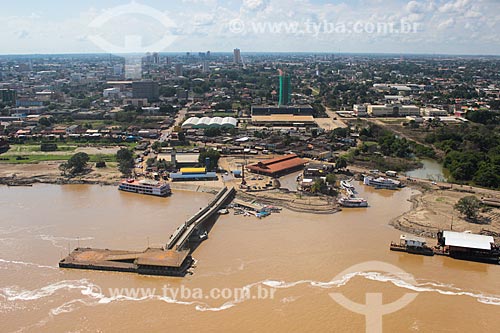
pixel 48 172
pixel 433 211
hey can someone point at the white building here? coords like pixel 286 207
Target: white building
pixel 111 93
pixel 360 110
pixel 393 110
pixel 433 112
pixel 206 122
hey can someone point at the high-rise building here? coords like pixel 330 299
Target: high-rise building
pixel 178 69
pixel 205 67
pixel 146 89
pixel 156 58
pixel 285 96
pixel 118 70
pixel 237 56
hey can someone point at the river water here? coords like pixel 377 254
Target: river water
pixel 298 258
pixel 430 169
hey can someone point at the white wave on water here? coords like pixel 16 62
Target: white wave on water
pixel 93 295
pixel 15 293
pixel 22 263
pixel 429 286
pixel 29 229
pixel 55 240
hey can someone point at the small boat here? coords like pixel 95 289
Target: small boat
pixel 345 184
pixel 204 236
pixel 262 214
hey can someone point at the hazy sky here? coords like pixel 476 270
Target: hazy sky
pixel 115 26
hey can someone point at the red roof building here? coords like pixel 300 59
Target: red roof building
pixel 278 166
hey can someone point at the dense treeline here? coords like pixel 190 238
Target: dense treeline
pixel 472 153
pixel 392 145
pixel 484 117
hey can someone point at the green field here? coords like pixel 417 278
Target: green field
pixel 36 158
pixel 20 149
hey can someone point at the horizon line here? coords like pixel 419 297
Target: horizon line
pixel 251 53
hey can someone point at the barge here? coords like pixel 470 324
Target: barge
pixel 457 245
pixel 468 246
pixel 413 245
pixel 152 261
pixel 146 186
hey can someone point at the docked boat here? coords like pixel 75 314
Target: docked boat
pixel 381 183
pixel 262 214
pixel 413 245
pixel 353 202
pixel 203 236
pixel 346 185
pixel 145 186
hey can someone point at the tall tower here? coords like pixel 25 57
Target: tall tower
pixel 237 56
pixel 178 69
pixel 285 96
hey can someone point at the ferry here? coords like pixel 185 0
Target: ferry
pixel 353 202
pixel 145 186
pixel 412 244
pixel 382 183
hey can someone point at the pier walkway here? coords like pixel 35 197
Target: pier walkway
pixel 181 235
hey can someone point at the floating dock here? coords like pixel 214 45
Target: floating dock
pixel 152 261
pixel 457 245
pixel 174 260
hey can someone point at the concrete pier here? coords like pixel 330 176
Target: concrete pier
pixel 174 260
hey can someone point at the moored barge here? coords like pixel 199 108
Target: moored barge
pixel 468 246
pixel 457 245
pixel 413 245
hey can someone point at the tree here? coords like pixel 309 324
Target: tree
pixel 76 164
pixel 469 206
pixel 331 179
pixel 44 122
pixel 156 146
pixel 151 161
pixel 319 186
pixel 341 163
pixel 212 132
pixel 213 156
pixel 125 160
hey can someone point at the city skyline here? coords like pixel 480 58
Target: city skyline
pixel 459 27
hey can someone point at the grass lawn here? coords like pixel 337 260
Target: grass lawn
pixel 17 149
pixel 36 158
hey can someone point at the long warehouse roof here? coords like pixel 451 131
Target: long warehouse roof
pixel 462 239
